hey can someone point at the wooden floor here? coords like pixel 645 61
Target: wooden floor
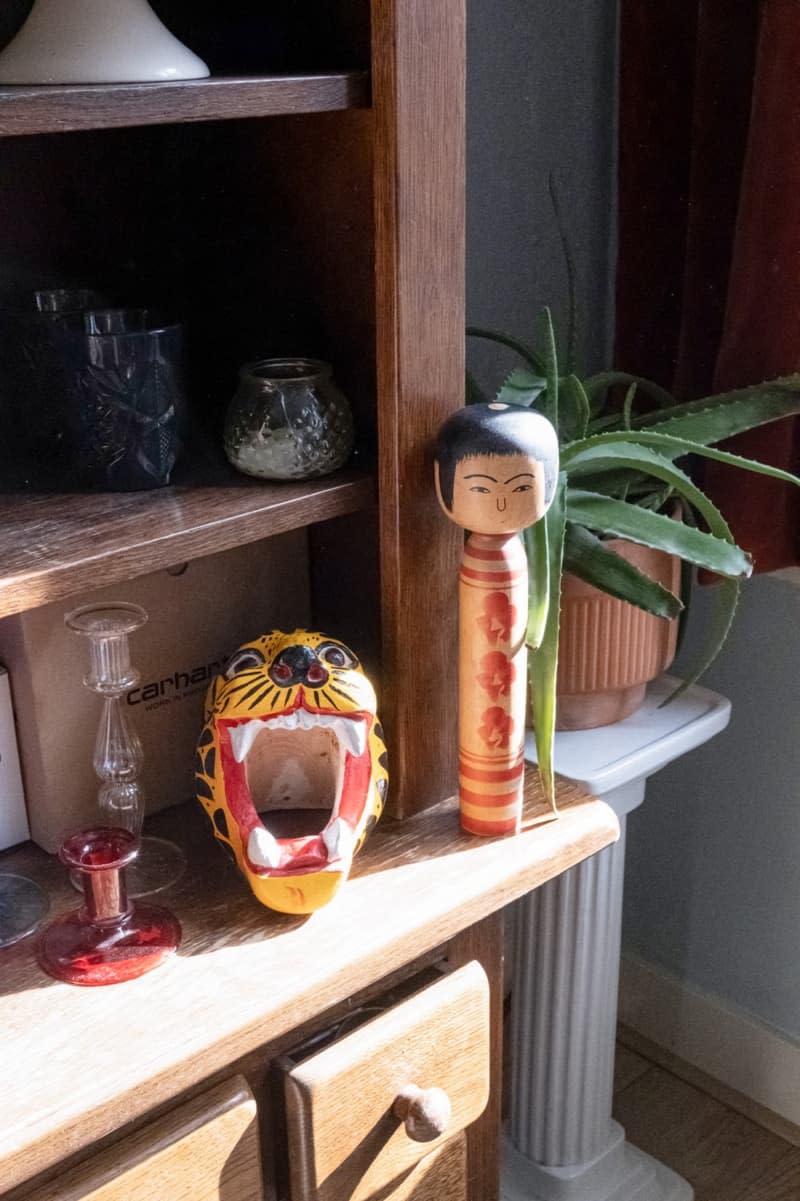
pixel 723 1155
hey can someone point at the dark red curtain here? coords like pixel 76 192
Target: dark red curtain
pixel 708 288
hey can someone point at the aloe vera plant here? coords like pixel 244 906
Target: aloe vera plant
pixel 620 477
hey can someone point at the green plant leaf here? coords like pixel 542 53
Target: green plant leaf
pixel 609 451
pixel 628 454
pixel 473 393
pixel 670 448
pixel 548 405
pixel 522 387
pixel 657 531
pixel 589 559
pixel 597 385
pixel 543 662
pixel 536 548
pixel 574 408
pixel 722 615
pixel 525 352
pixel 572 274
pixel 713 418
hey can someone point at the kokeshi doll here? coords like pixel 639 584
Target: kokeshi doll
pixel 496 468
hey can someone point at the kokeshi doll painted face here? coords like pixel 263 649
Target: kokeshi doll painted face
pixel 496 472
pixel 496 467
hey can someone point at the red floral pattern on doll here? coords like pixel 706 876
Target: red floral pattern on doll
pixel 497 618
pixel 496 728
pixel 497 674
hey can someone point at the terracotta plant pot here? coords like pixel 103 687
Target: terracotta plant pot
pixel 609 650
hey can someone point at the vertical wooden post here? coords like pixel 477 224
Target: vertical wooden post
pixel 418 56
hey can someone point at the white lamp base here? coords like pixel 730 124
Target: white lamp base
pixel 96 41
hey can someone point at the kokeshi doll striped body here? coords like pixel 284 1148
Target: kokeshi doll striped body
pixel 493 610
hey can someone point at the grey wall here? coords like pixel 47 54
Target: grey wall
pixel 713 886
pixel 541 85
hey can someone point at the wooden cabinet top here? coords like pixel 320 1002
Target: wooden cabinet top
pixel 78 1063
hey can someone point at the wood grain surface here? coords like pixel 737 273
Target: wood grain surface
pixel 485 941
pixel 418 57
pixel 35 109
pixel 723 1155
pixel 206 1150
pixel 53 546
pixel 78 1063
pixel 344 1138
pixel 440 1176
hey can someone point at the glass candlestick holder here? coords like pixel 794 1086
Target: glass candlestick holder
pixel 118 751
pixel 108 939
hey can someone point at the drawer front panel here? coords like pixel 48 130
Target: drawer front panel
pixel 345 1141
pixel 440 1176
pixel 204 1150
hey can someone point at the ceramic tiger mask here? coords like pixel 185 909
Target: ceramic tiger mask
pixel 291 765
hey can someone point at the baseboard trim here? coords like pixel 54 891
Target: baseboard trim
pixel 723 1050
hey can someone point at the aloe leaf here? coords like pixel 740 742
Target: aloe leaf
pixel 587 558
pixel 525 352
pixel 607 422
pixel 629 454
pixel 713 418
pixel 536 548
pixel 543 662
pixel 657 531
pixel 722 615
pixel 572 275
pixel 473 392
pixel 627 408
pixel 597 385
pixel 573 401
pixel 549 399
pixel 521 387
pixel 619 450
pixel 670 448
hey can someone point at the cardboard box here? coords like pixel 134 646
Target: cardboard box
pixel 13 818
pixel 198 614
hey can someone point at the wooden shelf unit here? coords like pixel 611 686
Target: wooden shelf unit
pixel 301 229
pixel 60 109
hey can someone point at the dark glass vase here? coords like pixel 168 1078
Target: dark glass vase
pixel 125 395
pixel 92 400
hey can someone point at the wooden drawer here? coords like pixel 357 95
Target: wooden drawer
pixel 204 1150
pixel 345 1140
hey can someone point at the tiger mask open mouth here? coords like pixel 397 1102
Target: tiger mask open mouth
pixel 291 765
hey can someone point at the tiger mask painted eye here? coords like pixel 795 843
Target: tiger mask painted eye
pixel 337 655
pixel 243 660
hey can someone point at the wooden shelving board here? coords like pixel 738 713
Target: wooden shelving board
pixel 54 546
pixel 79 1063
pixel 59 108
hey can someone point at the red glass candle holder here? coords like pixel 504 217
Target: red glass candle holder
pixel 108 939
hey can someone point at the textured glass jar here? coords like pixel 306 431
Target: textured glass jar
pixel 288 420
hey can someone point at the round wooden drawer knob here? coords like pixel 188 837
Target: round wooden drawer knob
pixel 425 1111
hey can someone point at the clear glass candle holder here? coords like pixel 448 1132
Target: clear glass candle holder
pixel 288 420
pixel 118 752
